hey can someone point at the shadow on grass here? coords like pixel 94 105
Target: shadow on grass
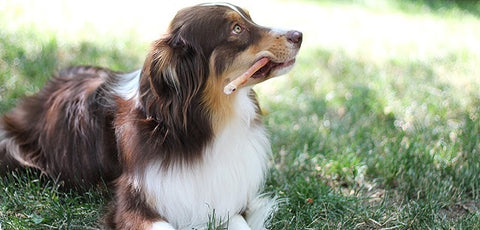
pixel 30 200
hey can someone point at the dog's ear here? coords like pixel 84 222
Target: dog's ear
pixel 174 73
pixel 177 68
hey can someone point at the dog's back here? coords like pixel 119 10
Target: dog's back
pixel 74 112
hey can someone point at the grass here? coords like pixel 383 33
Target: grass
pixel 30 201
pixel 351 155
pixel 377 127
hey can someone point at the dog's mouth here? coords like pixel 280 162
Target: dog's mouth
pixel 261 69
pixel 270 66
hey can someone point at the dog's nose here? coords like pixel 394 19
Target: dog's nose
pixel 294 36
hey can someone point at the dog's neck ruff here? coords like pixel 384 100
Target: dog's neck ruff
pixel 230 173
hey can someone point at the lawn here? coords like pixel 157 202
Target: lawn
pixel 377 126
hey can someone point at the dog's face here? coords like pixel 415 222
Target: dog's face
pixel 260 52
pixel 230 44
pixel 235 45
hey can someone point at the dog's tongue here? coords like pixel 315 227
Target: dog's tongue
pixel 233 85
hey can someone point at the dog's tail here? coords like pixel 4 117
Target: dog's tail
pixel 7 161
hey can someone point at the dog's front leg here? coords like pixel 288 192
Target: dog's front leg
pixel 237 222
pixel 161 225
pixel 131 211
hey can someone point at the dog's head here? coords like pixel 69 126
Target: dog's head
pixel 208 46
pixel 188 85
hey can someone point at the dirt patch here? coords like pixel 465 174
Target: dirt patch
pixel 458 210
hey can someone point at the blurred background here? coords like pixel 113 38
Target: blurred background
pixel 444 33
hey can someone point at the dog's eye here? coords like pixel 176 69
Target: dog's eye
pixel 237 29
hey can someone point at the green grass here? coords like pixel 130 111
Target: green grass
pixel 377 127
pixel 365 165
pixel 30 201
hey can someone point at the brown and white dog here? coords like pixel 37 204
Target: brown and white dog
pixel 181 138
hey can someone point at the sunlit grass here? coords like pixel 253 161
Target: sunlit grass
pixel 376 127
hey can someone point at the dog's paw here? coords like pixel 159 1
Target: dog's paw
pixel 237 222
pixel 162 225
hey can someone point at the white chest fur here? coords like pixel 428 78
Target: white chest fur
pixel 230 175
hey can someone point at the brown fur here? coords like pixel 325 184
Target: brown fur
pixel 62 118
pixel 78 130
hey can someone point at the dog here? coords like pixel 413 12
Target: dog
pixel 180 139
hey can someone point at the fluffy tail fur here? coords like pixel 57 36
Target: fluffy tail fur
pixel 7 161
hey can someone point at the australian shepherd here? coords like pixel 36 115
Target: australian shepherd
pixel 180 139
